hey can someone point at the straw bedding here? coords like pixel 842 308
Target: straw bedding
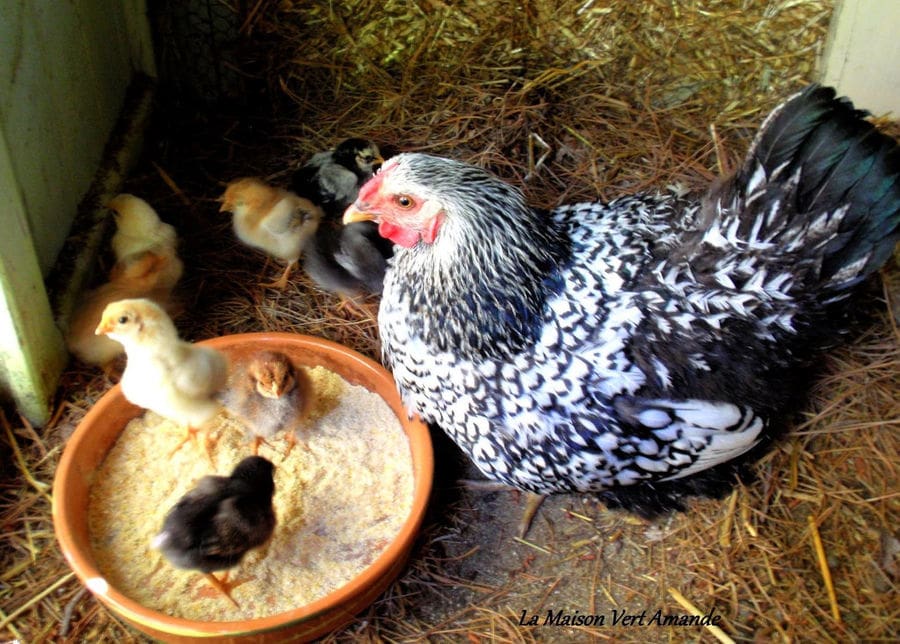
pixel 569 100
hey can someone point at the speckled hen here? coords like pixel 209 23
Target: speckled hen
pixel 644 348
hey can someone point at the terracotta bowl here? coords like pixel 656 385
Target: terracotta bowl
pixel 101 426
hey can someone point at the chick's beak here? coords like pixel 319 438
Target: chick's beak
pixel 226 205
pixel 358 212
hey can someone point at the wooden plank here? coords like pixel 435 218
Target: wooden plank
pixel 32 354
pixel 862 58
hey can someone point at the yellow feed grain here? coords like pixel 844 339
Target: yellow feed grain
pixel 341 496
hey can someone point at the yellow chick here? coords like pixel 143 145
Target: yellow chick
pixel 176 379
pixel 138 227
pixel 271 219
pixel 140 275
pixel 269 394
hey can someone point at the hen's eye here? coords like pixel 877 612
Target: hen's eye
pixel 123 319
pixel 404 202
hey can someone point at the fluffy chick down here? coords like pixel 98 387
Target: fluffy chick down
pixel 269 395
pixel 176 379
pixel 270 219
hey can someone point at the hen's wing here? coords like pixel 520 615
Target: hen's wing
pixel 682 437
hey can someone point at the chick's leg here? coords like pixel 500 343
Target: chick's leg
pixel 256 442
pixel 291 439
pixel 189 435
pixel 222 585
pixel 281 282
pixel 193 435
pixel 363 307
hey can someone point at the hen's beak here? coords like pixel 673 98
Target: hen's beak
pixel 104 327
pixel 355 213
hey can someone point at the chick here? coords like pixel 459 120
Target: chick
pixel 140 275
pixel 333 178
pixel 270 219
pixel 268 395
pixel 351 259
pixel 139 229
pixel 176 379
pixel 216 523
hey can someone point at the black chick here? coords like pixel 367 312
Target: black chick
pixel 332 178
pixel 349 260
pixel 214 525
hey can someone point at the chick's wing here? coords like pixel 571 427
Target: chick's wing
pixel 284 217
pixel 240 523
pixel 201 371
pixel 337 183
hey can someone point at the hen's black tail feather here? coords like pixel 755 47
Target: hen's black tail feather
pixel 846 199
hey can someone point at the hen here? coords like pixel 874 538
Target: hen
pixel 214 525
pixel 176 379
pixel 349 260
pixel 271 219
pixel 646 348
pixel 269 395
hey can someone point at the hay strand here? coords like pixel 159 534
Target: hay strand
pixel 40 486
pixel 823 568
pixel 683 601
pixel 36 599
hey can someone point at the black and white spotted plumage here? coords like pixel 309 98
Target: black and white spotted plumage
pixel 633 348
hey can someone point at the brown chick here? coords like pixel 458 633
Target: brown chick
pixel 269 394
pixel 176 379
pixel 140 275
pixel 271 219
pixel 214 525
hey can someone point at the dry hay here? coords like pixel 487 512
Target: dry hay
pixel 570 100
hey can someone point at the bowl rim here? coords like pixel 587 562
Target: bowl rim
pixel 421 453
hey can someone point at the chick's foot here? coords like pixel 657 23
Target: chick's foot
pixel 194 435
pixel 282 282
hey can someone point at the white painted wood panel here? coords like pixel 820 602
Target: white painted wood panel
pixel 64 71
pixel 862 59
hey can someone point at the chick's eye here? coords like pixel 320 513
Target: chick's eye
pixel 123 319
pixel 404 201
